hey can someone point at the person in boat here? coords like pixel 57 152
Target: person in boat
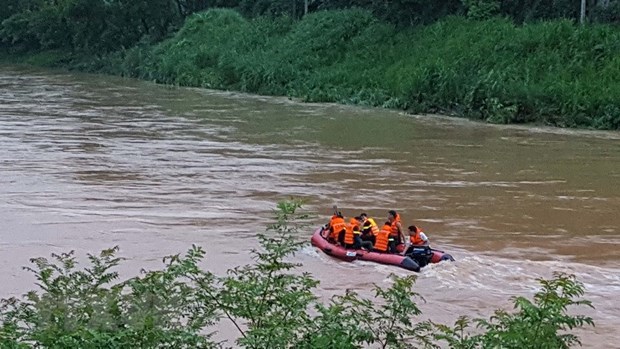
pixel 348 238
pixel 419 248
pixel 417 238
pixel 358 242
pixel 369 228
pixel 352 234
pixel 397 235
pixel 382 238
pixel 336 227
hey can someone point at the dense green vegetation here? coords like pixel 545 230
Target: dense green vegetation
pixel 494 70
pixel 271 304
pixel 450 57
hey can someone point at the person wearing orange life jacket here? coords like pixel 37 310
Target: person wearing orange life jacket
pixel 356 232
pixel 419 249
pixel 369 228
pixel 351 236
pixel 382 238
pixel 336 227
pixel 350 231
pixel 397 235
pixel 417 236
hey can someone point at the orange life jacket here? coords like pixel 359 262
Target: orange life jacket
pixel 382 238
pixel 394 227
pixel 416 239
pixel 336 225
pixel 353 228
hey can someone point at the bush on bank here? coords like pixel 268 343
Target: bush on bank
pixel 552 73
pixel 270 303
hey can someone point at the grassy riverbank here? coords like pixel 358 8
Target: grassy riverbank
pixel 553 73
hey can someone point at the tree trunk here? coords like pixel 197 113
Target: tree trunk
pixel 582 13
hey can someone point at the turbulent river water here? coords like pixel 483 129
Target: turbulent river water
pixel 90 162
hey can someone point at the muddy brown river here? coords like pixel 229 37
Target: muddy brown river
pixel 90 162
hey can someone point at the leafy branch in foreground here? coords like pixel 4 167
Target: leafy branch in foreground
pixel 271 304
pixel 85 309
pixel 541 324
pixel 270 300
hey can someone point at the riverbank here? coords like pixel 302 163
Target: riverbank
pixel 550 73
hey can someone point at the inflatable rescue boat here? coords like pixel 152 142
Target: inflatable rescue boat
pixel 413 263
